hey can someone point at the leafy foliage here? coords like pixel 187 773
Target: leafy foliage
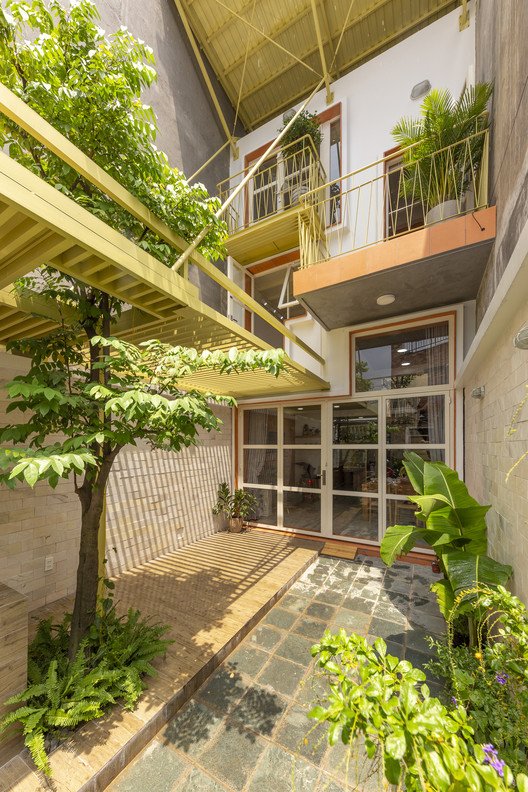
pixel 490 679
pixel 62 694
pixel 236 504
pixel 383 701
pixel 443 162
pixel 306 123
pixel 141 399
pixel 454 526
pixel 88 86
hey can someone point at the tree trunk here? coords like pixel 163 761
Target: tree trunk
pixel 91 495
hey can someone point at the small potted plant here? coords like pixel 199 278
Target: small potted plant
pixel 236 506
pixel 446 149
pixel 297 152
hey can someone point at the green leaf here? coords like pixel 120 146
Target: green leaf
pixel 399 540
pixel 396 744
pixel 445 596
pixel 522 782
pixel 392 769
pixel 467 572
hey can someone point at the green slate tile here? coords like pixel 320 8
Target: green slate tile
pixel 157 769
pixel 274 773
pixel 232 757
pixel 192 728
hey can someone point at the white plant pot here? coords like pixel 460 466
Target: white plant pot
pixel 442 211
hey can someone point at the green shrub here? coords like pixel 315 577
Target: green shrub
pixel 490 679
pixel 61 694
pixel 381 701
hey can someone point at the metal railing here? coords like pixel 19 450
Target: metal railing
pixel 281 182
pixel 393 196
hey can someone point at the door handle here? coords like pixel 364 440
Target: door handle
pixel 324 478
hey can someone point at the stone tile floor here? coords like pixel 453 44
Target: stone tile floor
pixel 242 729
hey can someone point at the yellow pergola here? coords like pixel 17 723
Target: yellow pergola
pixel 39 225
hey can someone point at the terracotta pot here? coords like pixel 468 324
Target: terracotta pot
pixel 434 566
pixel 235 524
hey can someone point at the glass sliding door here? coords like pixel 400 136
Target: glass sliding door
pixel 336 468
pixel 259 461
pixel 301 473
pixel 355 469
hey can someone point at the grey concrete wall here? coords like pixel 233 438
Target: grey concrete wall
pixel 502 58
pixel 190 130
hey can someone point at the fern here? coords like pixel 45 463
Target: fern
pixel 108 666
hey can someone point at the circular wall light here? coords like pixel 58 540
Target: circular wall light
pixel 385 299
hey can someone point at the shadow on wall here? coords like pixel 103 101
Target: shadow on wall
pixel 158 501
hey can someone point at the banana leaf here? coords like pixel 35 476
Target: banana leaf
pixel 466 572
pixel 445 596
pixel 399 540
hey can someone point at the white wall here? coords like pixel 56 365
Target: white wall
pixel 373 98
pixel 376 95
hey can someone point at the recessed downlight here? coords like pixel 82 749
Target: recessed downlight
pixel 386 299
pixel 406 364
pixel 402 349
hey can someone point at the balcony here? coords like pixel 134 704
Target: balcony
pixel 421 232
pixel 272 212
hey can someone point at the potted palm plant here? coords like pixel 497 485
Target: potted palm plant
pixel 236 506
pixel 297 153
pixel 447 143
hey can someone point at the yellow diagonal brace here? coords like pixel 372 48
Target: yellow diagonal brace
pixel 329 92
pixel 206 77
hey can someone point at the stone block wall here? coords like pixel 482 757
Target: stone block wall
pixel 491 453
pixel 13 658
pixel 156 502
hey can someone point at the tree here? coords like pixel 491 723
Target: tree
pixel 88 86
pixel 99 399
pixel 97 392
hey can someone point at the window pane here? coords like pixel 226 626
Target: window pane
pixel 260 427
pixel 335 173
pixel 357 517
pixel 412 358
pixel 396 474
pixel 302 510
pixel 266 509
pixel 355 469
pixel 260 466
pixel 355 423
pixel 265 189
pixel 302 425
pixel 302 468
pixel 416 419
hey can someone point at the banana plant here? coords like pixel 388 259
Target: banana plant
pixel 454 526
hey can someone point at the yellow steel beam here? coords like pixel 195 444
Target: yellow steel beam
pixel 207 79
pixel 267 39
pixel 463 21
pixel 329 38
pixel 329 92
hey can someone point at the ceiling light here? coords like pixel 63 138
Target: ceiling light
pixel 402 350
pixel 385 299
pixel 336 406
pixel 300 408
pixel 521 339
pixel 406 364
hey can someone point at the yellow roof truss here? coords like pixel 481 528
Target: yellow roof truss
pixel 267 54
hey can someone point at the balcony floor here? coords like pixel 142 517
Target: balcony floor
pixel 437 265
pixel 212 593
